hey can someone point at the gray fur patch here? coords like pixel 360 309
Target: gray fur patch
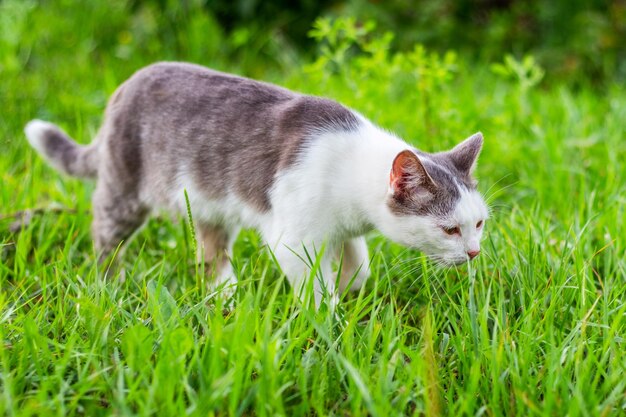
pixel 66 155
pixel 175 120
pixel 464 155
pixel 234 133
pixel 442 198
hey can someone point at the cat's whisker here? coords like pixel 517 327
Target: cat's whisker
pixel 407 274
pixel 412 259
pixel 407 261
pixel 489 197
pixel 495 184
pixel 401 254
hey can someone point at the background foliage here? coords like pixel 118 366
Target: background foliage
pixel 536 326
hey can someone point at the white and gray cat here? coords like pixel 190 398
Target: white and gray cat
pixel 306 172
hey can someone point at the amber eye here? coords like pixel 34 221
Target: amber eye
pixel 452 230
pixel 479 224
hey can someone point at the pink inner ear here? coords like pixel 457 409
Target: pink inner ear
pixel 393 181
pixel 404 166
pixel 407 172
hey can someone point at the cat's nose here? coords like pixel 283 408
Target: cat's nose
pixel 472 253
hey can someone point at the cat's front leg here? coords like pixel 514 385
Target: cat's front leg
pixel 300 261
pixel 215 243
pixel 355 264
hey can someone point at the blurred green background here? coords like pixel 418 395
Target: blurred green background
pixel 580 41
pixel 538 328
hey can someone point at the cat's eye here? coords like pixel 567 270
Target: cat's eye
pixel 451 230
pixel 479 224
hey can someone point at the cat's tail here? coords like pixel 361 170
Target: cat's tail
pixel 61 151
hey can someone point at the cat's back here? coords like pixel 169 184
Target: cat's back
pixel 186 125
pixel 192 87
pixel 173 95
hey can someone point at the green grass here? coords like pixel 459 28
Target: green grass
pixel 536 326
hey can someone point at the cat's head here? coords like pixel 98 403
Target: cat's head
pixel 433 205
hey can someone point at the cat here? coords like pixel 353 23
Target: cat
pixel 308 173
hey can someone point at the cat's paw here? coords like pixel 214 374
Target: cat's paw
pixel 354 279
pixel 224 287
pixel 227 292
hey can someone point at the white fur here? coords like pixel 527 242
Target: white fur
pixel 35 133
pixel 334 194
pixel 470 209
pixel 230 211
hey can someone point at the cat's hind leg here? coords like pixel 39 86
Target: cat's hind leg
pixel 354 260
pixel 116 216
pixel 215 244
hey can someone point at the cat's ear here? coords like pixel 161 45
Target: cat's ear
pixel 465 154
pixel 409 175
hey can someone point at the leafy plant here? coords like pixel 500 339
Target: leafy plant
pixel 526 74
pixel 354 54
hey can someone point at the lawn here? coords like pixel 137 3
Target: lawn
pixel 535 326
